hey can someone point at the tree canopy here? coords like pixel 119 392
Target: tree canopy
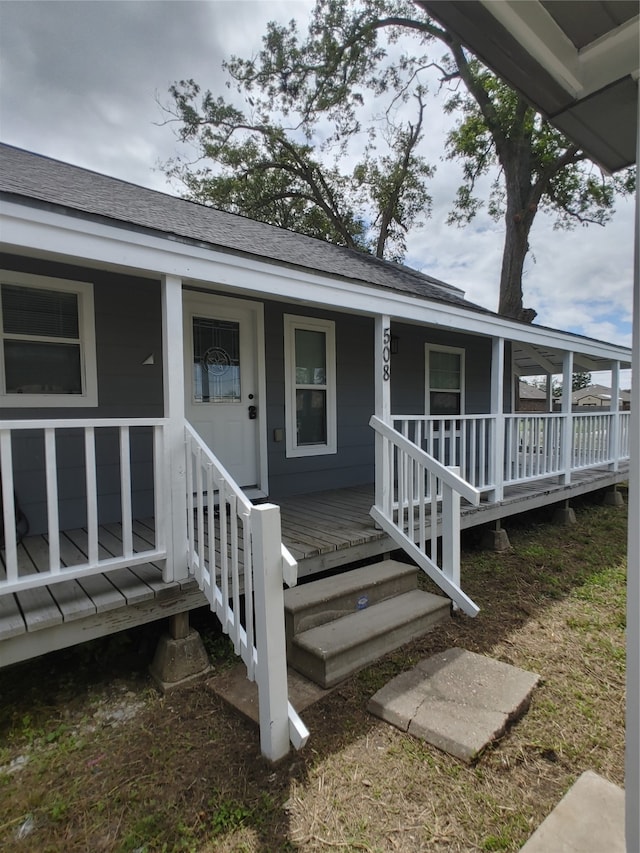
pixel 329 140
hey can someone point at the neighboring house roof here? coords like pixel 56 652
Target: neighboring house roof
pixel 600 392
pixel 42 179
pixel 530 392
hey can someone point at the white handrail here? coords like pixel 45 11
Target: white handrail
pixel 235 550
pixel 414 480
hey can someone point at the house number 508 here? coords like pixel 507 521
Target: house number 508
pixel 386 355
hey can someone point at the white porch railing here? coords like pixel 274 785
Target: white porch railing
pixel 413 480
pixel 234 549
pixel 533 444
pixel 467 443
pixel 46 439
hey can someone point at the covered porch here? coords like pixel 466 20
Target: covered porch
pixel 323 531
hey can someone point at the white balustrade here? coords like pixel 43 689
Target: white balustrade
pixel 54 444
pixel 414 481
pixel 234 550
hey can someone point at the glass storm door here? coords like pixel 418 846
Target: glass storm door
pixel 220 381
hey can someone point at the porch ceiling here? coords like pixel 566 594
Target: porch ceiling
pixel 578 65
pixel 535 361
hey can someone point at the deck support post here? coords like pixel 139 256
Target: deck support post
pixel 497 409
pixel 173 504
pixel 271 669
pixel 564 514
pixel 567 434
pixel 180 656
pixel 496 538
pixel 382 363
pixel 613 498
pixel 179 625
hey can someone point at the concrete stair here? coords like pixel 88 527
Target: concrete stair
pixel 339 625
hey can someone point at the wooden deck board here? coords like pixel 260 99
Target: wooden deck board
pixel 324 530
pixel 98 588
pixel 11 620
pixel 131 587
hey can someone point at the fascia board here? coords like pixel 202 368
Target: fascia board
pixel 42 232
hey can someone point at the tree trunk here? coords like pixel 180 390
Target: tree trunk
pixel 518 221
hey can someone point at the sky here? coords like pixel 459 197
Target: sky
pixel 80 81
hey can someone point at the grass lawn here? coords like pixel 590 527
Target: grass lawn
pixel 92 758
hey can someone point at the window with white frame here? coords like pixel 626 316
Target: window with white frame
pixel 445 380
pixel 47 342
pixel 310 386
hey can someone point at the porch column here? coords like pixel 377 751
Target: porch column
pixel 382 362
pixel 549 391
pixel 497 410
pixel 567 420
pixel 632 746
pixel 174 500
pixel 614 434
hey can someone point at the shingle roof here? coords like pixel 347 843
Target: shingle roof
pixel 44 180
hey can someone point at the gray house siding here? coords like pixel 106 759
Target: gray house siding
pixel 408 368
pixel 353 462
pixel 128 330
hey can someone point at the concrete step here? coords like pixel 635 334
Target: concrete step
pixel 312 604
pixel 335 650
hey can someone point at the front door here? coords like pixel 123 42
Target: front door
pixel 222 381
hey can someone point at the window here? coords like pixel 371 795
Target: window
pixel 445 381
pixel 47 342
pixel 310 386
pixel 216 361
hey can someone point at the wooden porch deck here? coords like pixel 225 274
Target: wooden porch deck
pixel 323 531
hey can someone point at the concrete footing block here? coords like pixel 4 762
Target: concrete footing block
pixel 496 540
pixel 565 515
pixel 613 498
pixel 179 661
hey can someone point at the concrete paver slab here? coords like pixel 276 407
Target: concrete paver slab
pixel 458 701
pixel 588 819
pixel 398 701
pixel 460 730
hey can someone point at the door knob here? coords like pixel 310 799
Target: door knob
pixel 253 413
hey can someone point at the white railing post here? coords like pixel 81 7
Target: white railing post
pixel 451 532
pixel 382 363
pixel 175 508
pixel 614 423
pixel 497 410
pixel 567 412
pixel 271 674
pixel 8 506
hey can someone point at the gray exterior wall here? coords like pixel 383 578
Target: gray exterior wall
pixel 353 463
pixel 128 329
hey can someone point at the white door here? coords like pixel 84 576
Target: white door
pixel 221 381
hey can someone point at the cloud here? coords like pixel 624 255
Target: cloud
pixel 80 82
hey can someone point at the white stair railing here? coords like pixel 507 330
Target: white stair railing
pixel 234 550
pixel 414 481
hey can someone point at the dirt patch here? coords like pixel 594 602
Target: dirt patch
pixel 93 758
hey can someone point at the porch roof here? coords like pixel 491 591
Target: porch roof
pixel 318 272
pixel 39 179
